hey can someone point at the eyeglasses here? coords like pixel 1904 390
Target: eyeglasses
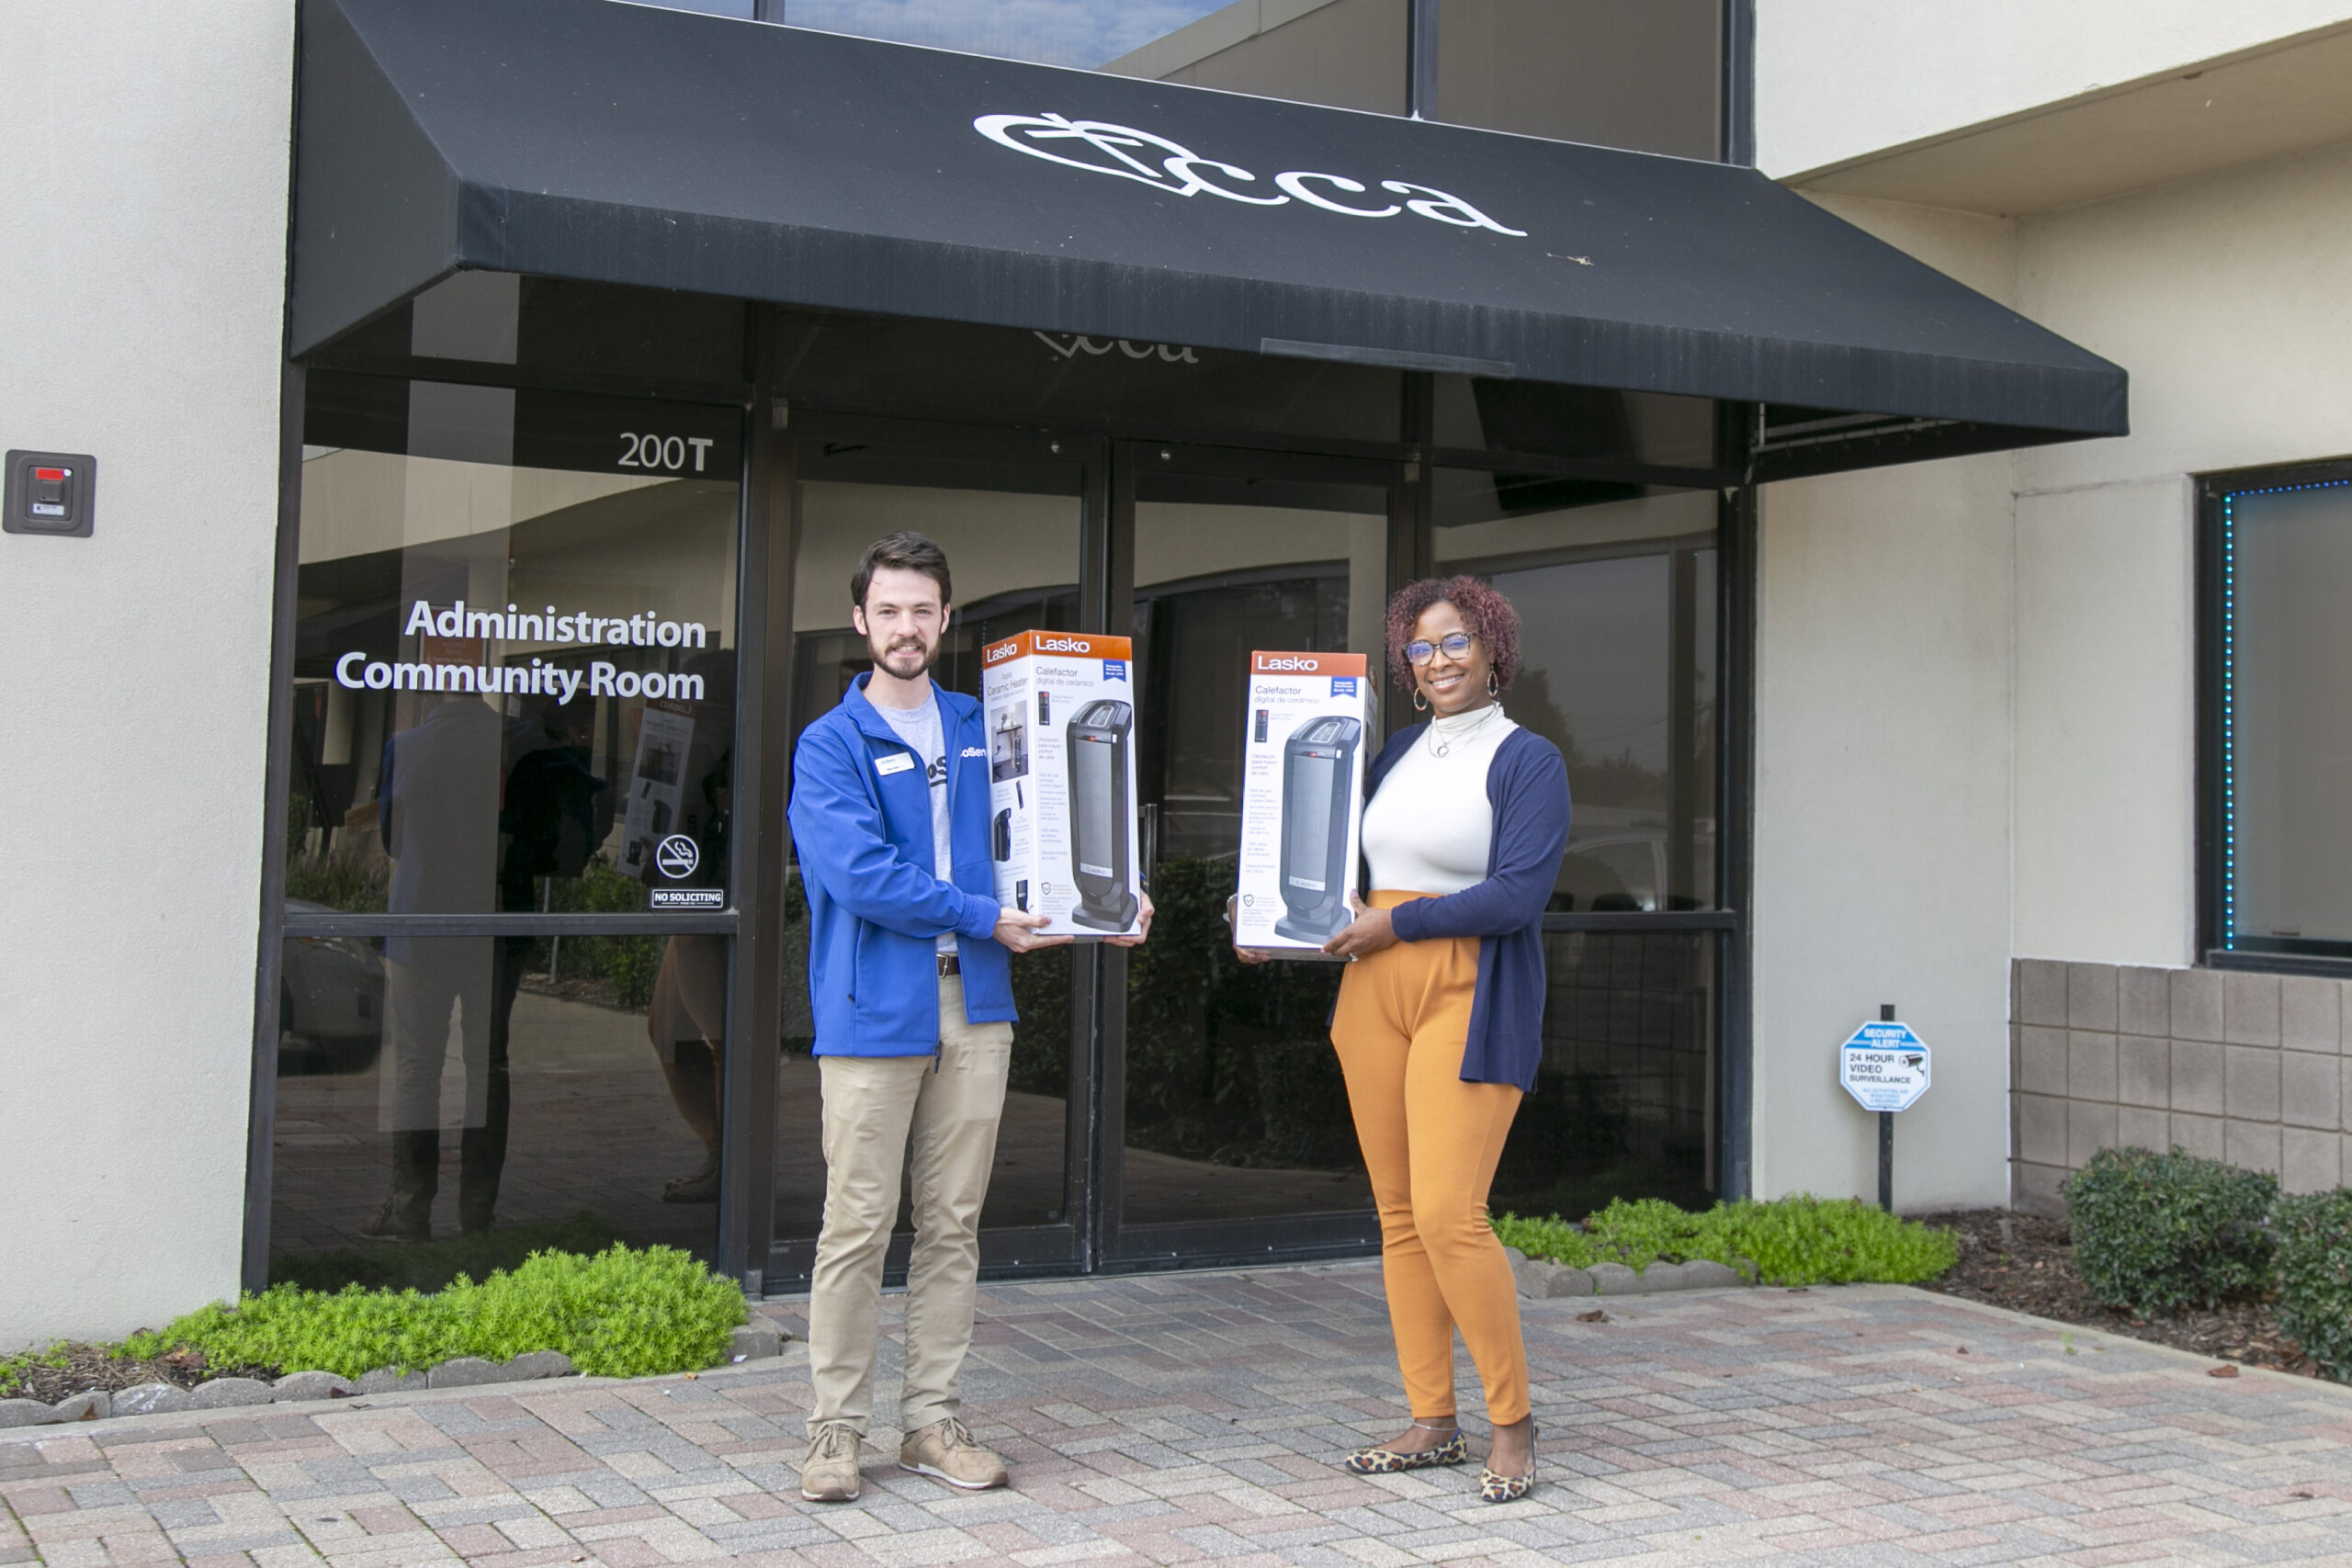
pixel 1456 646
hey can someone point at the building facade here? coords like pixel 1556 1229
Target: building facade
pixel 1977 735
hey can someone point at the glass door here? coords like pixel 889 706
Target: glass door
pixel 1226 1127
pixel 1011 510
pixel 502 1010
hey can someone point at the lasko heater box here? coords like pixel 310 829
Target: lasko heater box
pixel 1307 721
pixel 1099 813
pixel 1319 783
pixel 1063 715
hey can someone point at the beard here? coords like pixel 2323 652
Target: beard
pixel 893 655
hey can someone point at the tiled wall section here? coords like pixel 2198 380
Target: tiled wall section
pixel 2250 1068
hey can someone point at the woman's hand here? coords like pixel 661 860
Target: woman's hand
pixel 1368 934
pixel 1143 925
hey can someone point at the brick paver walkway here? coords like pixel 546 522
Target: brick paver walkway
pixel 1175 1418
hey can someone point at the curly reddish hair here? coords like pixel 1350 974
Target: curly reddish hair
pixel 1484 610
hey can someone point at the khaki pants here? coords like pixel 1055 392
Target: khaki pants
pixel 951 1105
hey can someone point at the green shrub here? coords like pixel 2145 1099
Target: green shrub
pixel 1799 1240
pixel 1554 1240
pixel 1804 1240
pixel 14 1368
pixel 619 1314
pixel 2313 1276
pixel 2156 1233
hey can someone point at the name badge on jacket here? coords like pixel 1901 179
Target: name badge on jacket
pixel 896 763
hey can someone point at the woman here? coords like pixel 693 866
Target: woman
pixel 1439 1023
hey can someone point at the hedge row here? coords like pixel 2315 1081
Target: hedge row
pixel 2155 1232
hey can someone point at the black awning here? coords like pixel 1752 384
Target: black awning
pixel 622 143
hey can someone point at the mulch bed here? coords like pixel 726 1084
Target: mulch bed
pixel 88 1366
pixel 2027 1263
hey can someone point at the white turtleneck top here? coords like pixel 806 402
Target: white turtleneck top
pixel 1431 827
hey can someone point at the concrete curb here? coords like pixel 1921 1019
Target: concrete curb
pixel 1540 1280
pixel 463 1376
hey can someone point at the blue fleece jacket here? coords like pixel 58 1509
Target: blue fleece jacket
pixel 861 821
pixel 1527 785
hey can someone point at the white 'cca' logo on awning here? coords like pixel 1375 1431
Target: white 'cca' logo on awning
pixel 1098 147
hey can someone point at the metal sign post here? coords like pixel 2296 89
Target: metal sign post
pixel 1884 1066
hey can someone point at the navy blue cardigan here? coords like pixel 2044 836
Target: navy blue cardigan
pixel 1527 785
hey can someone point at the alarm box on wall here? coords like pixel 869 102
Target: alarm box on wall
pixel 1060 710
pixel 1308 719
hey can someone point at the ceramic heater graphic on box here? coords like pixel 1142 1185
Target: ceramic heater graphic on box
pixel 1319 769
pixel 1099 813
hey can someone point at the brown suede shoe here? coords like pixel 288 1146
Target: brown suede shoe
pixel 828 1473
pixel 947 1449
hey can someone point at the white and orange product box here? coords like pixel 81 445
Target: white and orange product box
pixel 1060 710
pixel 1309 733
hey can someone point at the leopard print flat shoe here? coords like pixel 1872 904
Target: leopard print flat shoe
pixel 1456 1449
pixel 1494 1488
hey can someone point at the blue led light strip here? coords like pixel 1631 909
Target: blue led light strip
pixel 2229 724
pixel 2229 696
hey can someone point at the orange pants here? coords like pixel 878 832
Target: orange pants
pixel 1430 1144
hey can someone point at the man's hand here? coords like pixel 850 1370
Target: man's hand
pixel 1245 954
pixel 1143 929
pixel 1368 934
pixel 1017 929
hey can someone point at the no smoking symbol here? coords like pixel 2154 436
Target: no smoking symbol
pixel 677 856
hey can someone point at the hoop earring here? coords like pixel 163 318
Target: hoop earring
pixel 1421 703
pixel 1494 688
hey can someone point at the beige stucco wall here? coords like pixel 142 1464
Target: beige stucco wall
pixel 1840 79
pixel 1884 758
pixel 2049 664
pixel 144 237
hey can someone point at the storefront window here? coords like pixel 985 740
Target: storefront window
pixel 944 370
pixel 1644 75
pixel 1616 601
pixel 1598 424
pixel 1084 33
pixel 513 696
pixel 494 1095
pixel 1234 1104
pixel 514 665
pixel 1625 1094
pixel 2282 741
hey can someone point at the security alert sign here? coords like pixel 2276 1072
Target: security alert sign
pixel 1884 1066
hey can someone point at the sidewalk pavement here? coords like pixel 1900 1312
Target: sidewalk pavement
pixel 1182 1417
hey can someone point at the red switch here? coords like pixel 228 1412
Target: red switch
pixel 49 492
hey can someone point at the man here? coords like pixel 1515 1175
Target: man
pixel 909 978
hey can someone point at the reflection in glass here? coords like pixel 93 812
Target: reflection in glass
pixel 1596 423
pixel 1638 74
pixel 1624 1101
pixel 1008 517
pixel 1616 602
pixel 447 1088
pixel 1235 1107
pixel 515 650
pixel 945 370
pixel 2285 720
pixel 1084 33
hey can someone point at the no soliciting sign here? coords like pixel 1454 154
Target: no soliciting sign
pixel 1884 1066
